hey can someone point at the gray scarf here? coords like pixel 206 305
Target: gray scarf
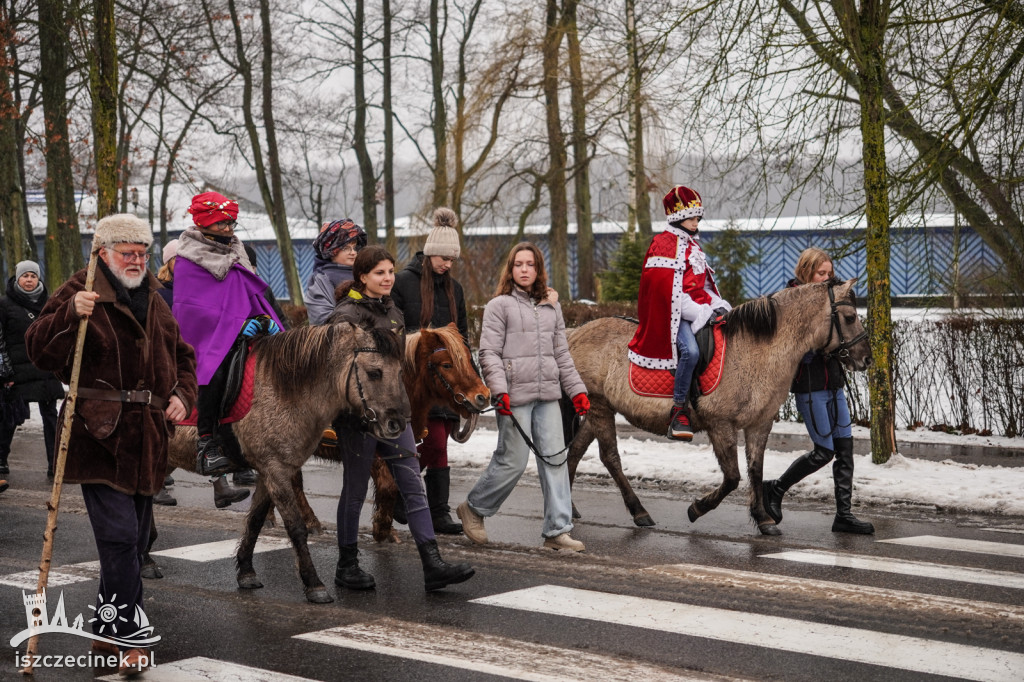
pixel 212 256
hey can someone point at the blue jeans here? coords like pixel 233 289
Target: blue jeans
pixel 826 416
pixel 689 355
pixel 542 421
pixel 357 458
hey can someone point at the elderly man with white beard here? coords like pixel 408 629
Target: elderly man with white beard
pixel 137 379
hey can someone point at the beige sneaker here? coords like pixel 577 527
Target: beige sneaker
pixel 564 541
pixel 472 524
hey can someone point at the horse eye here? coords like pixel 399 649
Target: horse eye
pixel 447 365
pixel 375 374
pixel 850 319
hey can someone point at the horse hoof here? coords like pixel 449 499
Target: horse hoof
pixel 693 513
pixel 319 595
pixel 644 520
pixel 315 528
pixel 151 572
pixel 249 581
pixel 769 528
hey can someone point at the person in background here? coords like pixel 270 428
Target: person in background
pixel 224 494
pixel 677 298
pixel 336 247
pixel 366 303
pixel 21 380
pixel 217 298
pixel 138 381
pixel 429 296
pixel 819 389
pixel 525 360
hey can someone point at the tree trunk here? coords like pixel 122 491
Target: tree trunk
pixel 639 199
pixel 867 34
pixel 103 91
pixel 18 243
pixel 439 120
pixel 278 212
pixel 390 240
pixel 63 240
pixel 558 241
pixel 367 178
pixel 581 158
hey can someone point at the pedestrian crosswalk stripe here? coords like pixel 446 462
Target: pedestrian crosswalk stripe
pixel 961 545
pixel 771 632
pixel 58 577
pixel 224 549
pixel 200 668
pixel 923 569
pixel 486 654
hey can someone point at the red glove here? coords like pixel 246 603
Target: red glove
pixel 502 406
pixel 582 403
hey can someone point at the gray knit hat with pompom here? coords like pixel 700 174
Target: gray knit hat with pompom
pixel 443 240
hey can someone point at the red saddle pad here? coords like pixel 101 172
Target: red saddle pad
pixel 242 404
pixel 659 383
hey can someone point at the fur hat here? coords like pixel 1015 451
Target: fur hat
pixel 25 266
pixel 443 240
pixel 682 203
pixel 121 228
pixel 170 250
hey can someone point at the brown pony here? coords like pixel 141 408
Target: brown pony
pixel 304 378
pixel 766 339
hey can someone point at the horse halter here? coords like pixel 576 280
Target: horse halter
pixel 369 416
pixel 458 396
pixel 843 351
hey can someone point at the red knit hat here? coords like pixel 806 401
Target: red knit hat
pixel 682 203
pixel 212 207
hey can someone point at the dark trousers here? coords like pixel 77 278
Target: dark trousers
pixel 434 448
pixel 208 403
pixel 120 524
pixel 357 458
pixel 48 411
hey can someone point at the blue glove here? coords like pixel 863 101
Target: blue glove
pixel 261 324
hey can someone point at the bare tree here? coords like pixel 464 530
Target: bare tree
pixel 103 88
pixel 17 239
pixel 558 237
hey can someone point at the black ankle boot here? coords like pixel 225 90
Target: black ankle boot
pixel 842 474
pixel 438 574
pixel 802 467
pixel 438 483
pixel 210 457
pixel 348 573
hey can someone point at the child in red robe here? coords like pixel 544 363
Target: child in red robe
pixel 677 297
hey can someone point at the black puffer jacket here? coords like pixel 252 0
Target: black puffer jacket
pixel 17 312
pixel 817 372
pixel 406 293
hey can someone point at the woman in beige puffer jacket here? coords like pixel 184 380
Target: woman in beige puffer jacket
pixel 525 361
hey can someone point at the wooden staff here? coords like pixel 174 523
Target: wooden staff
pixel 62 454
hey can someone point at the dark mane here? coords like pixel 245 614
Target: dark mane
pixel 291 358
pixel 387 343
pixel 757 318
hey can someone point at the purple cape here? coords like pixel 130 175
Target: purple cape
pixel 211 313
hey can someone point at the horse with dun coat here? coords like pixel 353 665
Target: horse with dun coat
pixel 303 379
pixel 767 338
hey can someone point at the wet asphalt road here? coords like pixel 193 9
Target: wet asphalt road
pixel 716 562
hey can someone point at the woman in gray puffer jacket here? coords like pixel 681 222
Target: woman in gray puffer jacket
pixel 526 364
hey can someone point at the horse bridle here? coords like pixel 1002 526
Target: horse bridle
pixel 458 396
pixel 843 351
pixel 369 416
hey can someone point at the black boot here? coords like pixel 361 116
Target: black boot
pixel 224 494
pixel 801 468
pixel 438 574
pixel 842 474
pixel 4 469
pixel 438 482
pixel 210 457
pixel 348 573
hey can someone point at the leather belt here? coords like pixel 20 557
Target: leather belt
pixel 143 397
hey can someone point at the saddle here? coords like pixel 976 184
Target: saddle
pixel 238 390
pixel 659 383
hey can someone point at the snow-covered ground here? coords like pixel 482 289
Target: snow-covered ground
pixel 947 485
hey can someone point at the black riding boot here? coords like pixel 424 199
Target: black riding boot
pixel 801 468
pixel 842 474
pixel 438 482
pixel 348 573
pixel 438 574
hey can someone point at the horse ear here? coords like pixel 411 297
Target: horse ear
pixel 846 288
